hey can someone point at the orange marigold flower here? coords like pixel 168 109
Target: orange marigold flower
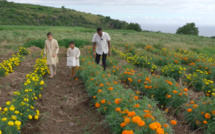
pixel 168 96
pixel 139 80
pixel 149 106
pixel 158 124
pixel 189 110
pixel 97 105
pixel 147 79
pixel 198 122
pixel 165 125
pixel 136 97
pixel 137 105
pixel 94 97
pixel 101 85
pixel 173 122
pixel 127 132
pixel 175 91
pixel 123 124
pixel 103 101
pixel 110 88
pixel 153 126
pixel 135 119
pixel 213 112
pixel 92 79
pixel 127 120
pixel 192 102
pixel 117 100
pixel 146 111
pixel 160 131
pixel 118 109
pixel 141 123
pixel 131 114
pixel 99 91
pixel 205 122
pixel 195 106
pixel 137 92
pixel 185 89
pixel 207 116
pixel 202 112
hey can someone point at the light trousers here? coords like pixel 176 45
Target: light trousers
pixel 52 69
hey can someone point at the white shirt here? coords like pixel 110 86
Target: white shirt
pixel 102 42
pixel 73 52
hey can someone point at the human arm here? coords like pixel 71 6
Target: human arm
pixel 56 49
pixel 109 44
pixel 78 53
pixel 45 50
pixel 94 49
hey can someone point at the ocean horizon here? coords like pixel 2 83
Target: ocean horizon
pixel 207 31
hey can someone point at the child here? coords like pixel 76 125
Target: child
pixel 51 50
pixel 74 52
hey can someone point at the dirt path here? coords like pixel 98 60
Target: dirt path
pixel 65 107
pixel 15 80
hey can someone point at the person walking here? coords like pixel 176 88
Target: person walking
pixel 50 52
pixel 101 46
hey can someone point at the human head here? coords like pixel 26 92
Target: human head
pixel 49 36
pixel 72 44
pixel 99 31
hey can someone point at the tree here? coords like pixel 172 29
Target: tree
pixel 134 26
pixel 189 29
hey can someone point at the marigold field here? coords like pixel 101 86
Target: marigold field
pixel 146 89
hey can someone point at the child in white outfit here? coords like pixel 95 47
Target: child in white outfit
pixel 75 53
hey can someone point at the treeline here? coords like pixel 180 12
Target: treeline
pixel 26 14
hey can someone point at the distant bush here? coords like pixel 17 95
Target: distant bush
pixel 189 29
pixel 134 26
pixel 78 42
pixel 213 37
pixel 64 42
pixel 38 43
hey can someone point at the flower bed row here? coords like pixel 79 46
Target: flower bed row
pixel 164 90
pixel 18 111
pixel 200 114
pixel 197 79
pixel 7 66
pixel 125 112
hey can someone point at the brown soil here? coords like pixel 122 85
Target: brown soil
pixel 65 107
pixel 15 80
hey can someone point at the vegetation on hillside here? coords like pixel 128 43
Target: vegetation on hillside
pixel 26 14
pixel 189 29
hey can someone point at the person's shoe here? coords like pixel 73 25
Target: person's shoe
pixel 51 77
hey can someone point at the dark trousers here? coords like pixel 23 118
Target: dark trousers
pixel 104 59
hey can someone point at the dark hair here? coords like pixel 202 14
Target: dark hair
pixel 49 34
pixel 99 29
pixel 71 42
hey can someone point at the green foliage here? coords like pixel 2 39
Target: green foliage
pixel 134 26
pixel 78 42
pixel 189 29
pixel 38 43
pixel 202 114
pixel 64 42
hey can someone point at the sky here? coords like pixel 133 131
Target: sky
pixel 150 14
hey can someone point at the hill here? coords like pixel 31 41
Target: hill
pixel 25 14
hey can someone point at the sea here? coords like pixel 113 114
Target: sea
pixel 207 31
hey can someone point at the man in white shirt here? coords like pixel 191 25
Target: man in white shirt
pixel 101 42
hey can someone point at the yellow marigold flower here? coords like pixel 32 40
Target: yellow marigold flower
pixel 30 117
pixel 10 123
pixel 18 123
